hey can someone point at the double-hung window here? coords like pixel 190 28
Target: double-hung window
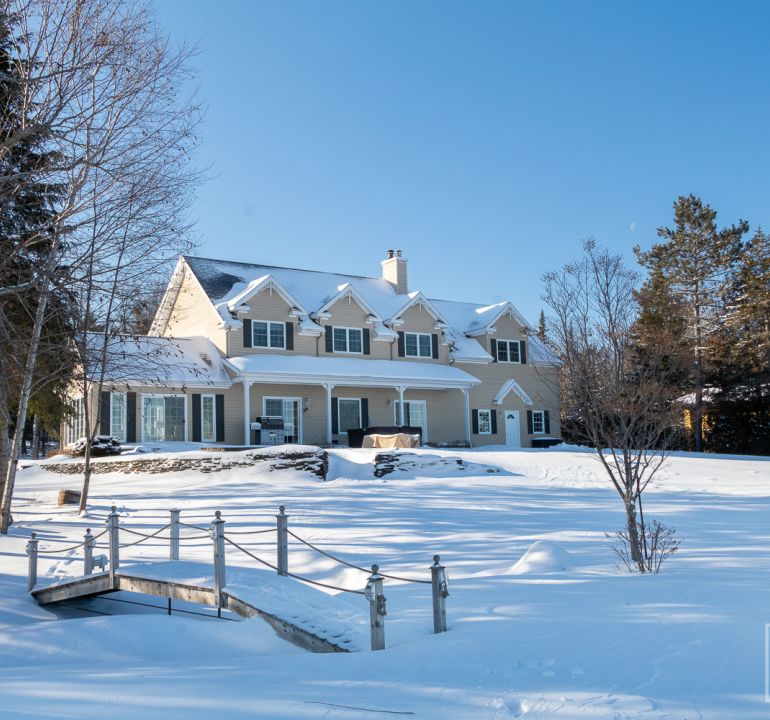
pixel 418 345
pixel 348 340
pixel 485 422
pixel 509 351
pixel 538 422
pixel 268 334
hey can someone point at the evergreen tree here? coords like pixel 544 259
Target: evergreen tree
pixel 694 262
pixel 542 332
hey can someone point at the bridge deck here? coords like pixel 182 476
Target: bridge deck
pixel 298 613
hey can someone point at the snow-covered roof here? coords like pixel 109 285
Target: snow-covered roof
pixel 351 372
pixel 161 361
pixel 228 284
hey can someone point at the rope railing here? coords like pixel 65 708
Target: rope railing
pixel 292 575
pixel 251 532
pixel 44 551
pixel 352 565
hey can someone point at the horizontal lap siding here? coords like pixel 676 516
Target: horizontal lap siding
pixel 419 320
pixel 540 382
pixel 193 314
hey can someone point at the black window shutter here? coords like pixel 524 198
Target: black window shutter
pixel 220 401
pixel 401 350
pixel 247 339
pixel 367 342
pixel 493 349
pixel 335 417
pixel 364 412
pixel 475 416
pixel 196 417
pixel 493 415
pixel 547 422
pixel 434 345
pixel 104 413
pixel 407 414
pixel 522 352
pixel 290 336
pixel 530 429
pixel 131 417
pixel 329 339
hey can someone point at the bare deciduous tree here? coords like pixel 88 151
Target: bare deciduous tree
pixel 612 399
pixel 104 85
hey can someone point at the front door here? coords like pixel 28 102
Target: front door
pixel 415 415
pixel 512 429
pixel 288 409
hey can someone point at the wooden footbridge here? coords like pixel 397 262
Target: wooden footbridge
pixel 298 612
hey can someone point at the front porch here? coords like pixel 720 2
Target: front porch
pixel 321 398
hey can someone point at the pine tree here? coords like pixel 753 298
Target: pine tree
pixel 542 332
pixel 695 261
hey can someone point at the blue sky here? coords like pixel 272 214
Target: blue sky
pixel 484 139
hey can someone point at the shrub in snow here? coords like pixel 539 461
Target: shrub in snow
pixel 100 445
pixel 658 543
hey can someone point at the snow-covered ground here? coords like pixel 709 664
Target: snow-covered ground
pixel 542 622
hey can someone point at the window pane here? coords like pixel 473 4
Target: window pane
pixel 153 419
pixel 485 424
pixel 274 407
pixel 349 414
pixel 514 351
pixel 355 341
pixel 410 340
pixel 208 433
pixel 425 346
pixel 340 340
pixel 259 331
pixel 276 334
pixel 537 421
pixel 118 416
pixel 502 351
pixel 174 425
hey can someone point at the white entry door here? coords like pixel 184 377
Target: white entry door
pixel 512 429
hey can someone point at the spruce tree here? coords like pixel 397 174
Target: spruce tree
pixel 694 261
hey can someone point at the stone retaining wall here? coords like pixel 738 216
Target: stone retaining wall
pixel 315 461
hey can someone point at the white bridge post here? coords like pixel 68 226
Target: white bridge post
pixel 88 553
pixel 32 552
pixel 377 609
pixel 174 535
pixel 282 542
pixel 218 536
pixel 440 588
pixel 112 522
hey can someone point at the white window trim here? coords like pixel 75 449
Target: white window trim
pixel 485 410
pixel 75 421
pixel 508 342
pixel 298 400
pixel 269 345
pixel 425 429
pixel 213 415
pixel 125 415
pixel 418 335
pixel 360 418
pixel 347 341
pixel 163 395
pixel 541 413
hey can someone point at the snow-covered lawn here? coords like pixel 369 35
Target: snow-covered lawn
pixel 542 623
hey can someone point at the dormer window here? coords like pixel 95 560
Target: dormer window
pixel 268 334
pixel 510 351
pixel 418 345
pixel 348 340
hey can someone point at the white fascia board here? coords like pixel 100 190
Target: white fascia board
pixel 417 298
pixel 512 386
pixel 359 381
pixel 238 303
pixel 347 291
pixel 470 360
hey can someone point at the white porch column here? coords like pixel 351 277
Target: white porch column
pixel 467 404
pixel 400 389
pixel 329 438
pixel 246 412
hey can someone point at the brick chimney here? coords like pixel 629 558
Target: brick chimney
pixel 394 271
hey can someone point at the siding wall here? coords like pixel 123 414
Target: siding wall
pixel 193 314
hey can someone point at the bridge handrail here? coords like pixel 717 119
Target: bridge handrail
pixel 352 565
pixel 292 575
pixel 69 549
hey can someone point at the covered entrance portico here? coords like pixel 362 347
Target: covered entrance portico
pixel 343 375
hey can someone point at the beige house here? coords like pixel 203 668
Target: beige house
pixel 327 353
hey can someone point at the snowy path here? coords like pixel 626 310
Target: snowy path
pixel 559 634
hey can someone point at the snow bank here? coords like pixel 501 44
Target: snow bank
pixel 543 557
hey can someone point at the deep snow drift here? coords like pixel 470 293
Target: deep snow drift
pixel 542 622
